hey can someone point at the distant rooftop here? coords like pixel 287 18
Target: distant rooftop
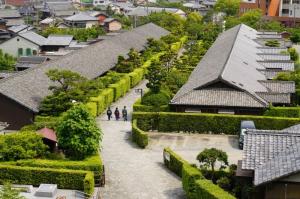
pixel 81 17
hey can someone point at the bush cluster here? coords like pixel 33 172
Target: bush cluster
pixel 25 145
pixel 139 136
pixel 156 99
pixel 204 123
pixel 65 179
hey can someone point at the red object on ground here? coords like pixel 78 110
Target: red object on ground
pixel 48 134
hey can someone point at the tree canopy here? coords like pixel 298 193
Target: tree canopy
pixel 209 158
pixel 156 75
pixel 229 7
pixel 7 62
pixel 78 134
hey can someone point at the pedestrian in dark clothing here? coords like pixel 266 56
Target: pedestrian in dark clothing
pixel 117 114
pixel 109 113
pixel 124 113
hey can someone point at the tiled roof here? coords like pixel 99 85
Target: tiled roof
pixel 271 73
pixel 9 13
pixel 33 37
pixel 58 40
pixel 145 11
pixel 234 60
pixel 272 50
pixel 282 165
pixel 261 146
pixel 279 86
pixel 283 65
pixel 211 97
pixel 275 57
pixel 29 87
pixel 279 98
pixel 81 17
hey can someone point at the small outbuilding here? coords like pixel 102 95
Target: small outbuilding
pixel 49 137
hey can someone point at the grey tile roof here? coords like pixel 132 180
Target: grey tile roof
pixel 271 73
pixel 145 11
pixel 278 98
pixel 33 37
pixel 283 65
pixel 32 59
pixel 9 13
pixel 293 128
pixel 234 59
pixel 279 86
pixel 58 40
pixel 212 96
pixel 15 22
pixel 284 164
pixel 275 57
pixel 272 50
pixel 19 28
pixel 29 87
pixel 261 146
pixel 81 17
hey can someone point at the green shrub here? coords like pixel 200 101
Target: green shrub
pixel 41 122
pixel 23 145
pixel 108 96
pixel 139 136
pixel 92 163
pixel 155 99
pixel 89 183
pixel 65 179
pixel 189 176
pixel 138 107
pixel 272 43
pixel 205 189
pixel 293 112
pixel 136 76
pixel 92 106
pixel 100 102
pixel 120 88
pixel 176 162
pixel 203 123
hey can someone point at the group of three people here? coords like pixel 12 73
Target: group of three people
pixel 117 113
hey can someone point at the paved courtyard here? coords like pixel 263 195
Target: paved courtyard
pixel 131 172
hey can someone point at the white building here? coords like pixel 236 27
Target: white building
pixel 24 44
pixel 289 8
pixel 103 3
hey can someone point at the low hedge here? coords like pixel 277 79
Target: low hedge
pixel 120 88
pixel 93 163
pixel 175 163
pixel 202 123
pixel 189 176
pixel 139 136
pixel 92 106
pixel 293 112
pixel 136 76
pixel 138 107
pixel 205 189
pixel 65 179
pixel 89 183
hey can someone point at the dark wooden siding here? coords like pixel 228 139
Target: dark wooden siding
pixel 14 114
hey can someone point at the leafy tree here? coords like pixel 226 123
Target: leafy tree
pixel 25 145
pixel 125 21
pixel 167 59
pixel 175 80
pixel 69 86
pixel 78 134
pixel 252 18
pixel 156 75
pixel 194 18
pixel 7 192
pixel 229 7
pixel 128 65
pixel 295 36
pixel 209 158
pixel 294 55
pixel 7 62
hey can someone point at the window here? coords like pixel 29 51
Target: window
pixel 285 11
pixel 20 51
pixel 34 52
pixel 286 1
pixel 28 51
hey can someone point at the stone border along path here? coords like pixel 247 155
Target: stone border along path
pixel 131 172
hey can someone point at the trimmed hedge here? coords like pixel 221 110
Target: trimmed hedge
pixel 92 106
pixel 89 183
pixel 293 112
pixel 139 136
pixel 176 162
pixel 189 176
pixel 202 123
pixel 138 107
pixel 65 179
pixel 120 88
pixel 103 100
pixel 205 189
pixel 136 76
pixel 93 163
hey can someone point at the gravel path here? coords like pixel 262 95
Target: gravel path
pixel 133 173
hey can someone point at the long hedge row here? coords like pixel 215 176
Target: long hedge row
pixel 193 182
pixel 293 112
pixel 138 107
pixel 93 163
pixel 139 136
pixel 203 123
pixel 65 179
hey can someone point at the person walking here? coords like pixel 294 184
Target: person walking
pixel 124 113
pixel 117 114
pixel 109 113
